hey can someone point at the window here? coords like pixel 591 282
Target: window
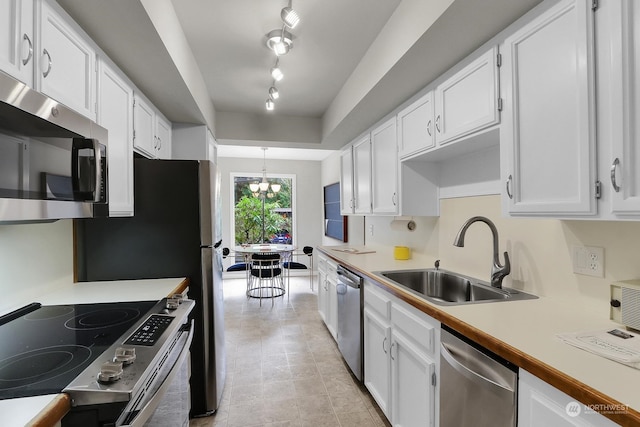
pixel 263 216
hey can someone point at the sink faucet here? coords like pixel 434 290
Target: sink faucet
pixel 498 271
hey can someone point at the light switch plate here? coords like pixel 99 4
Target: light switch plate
pixel 588 260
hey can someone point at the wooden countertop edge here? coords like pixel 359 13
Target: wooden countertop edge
pixel 569 385
pixel 181 288
pixel 53 412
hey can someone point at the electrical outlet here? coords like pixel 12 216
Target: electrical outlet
pixel 371 229
pixel 588 260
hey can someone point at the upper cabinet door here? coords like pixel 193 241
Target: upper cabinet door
pixel 384 166
pixel 468 101
pixel 415 127
pixel 362 175
pixel 115 113
pixel 16 39
pixel 66 63
pixel 163 137
pixel 144 139
pixel 547 134
pixel 346 182
pixel 619 113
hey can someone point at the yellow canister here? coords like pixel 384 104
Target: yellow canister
pixel 401 252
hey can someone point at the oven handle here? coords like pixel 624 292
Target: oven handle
pixel 147 411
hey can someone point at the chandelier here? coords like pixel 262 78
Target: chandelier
pixel 263 187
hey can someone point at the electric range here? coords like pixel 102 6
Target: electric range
pixel 45 347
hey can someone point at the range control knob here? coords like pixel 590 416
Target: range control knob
pixel 615 303
pixel 110 372
pixel 172 303
pixel 126 355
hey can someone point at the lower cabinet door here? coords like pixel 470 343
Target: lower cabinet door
pixel 412 384
pixel 377 341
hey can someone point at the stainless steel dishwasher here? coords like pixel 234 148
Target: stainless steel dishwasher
pixel 477 387
pixel 349 289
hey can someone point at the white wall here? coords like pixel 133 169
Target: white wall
pixel 34 258
pixel 309 204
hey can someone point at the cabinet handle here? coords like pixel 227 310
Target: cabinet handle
pixel 614 166
pixel 508 186
pixel 429 127
pixel 438 123
pixel 46 73
pixel 30 55
pixel 393 199
pixel 159 143
pixel 384 341
pixel 391 351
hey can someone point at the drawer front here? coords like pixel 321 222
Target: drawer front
pixel 416 325
pixel 376 300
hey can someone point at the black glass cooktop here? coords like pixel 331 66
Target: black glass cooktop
pixel 45 349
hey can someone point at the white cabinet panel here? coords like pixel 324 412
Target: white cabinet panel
pixel 415 127
pixel 618 25
pixel 163 138
pixel 362 175
pixel 66 63
pixel 542 405
pixel 401 348
pixel 467 101
pixel 144 127
pixel 346 181
pixel 384 167
pixel 115 113
pixel 547 135
pixel 413 388
pixel 17 39
pixel 377 371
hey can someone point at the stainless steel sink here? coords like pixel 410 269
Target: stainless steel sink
pixel 448 288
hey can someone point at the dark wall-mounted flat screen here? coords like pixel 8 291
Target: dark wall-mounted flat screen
pixel 335 225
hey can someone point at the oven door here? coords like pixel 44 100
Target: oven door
pixel 173 374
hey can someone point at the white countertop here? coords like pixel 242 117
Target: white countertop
pixel 529 326
pixel 19 412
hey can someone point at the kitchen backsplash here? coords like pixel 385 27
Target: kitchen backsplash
pixel 34 258
pixel 540 249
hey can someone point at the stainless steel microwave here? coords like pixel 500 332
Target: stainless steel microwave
pixel 53 161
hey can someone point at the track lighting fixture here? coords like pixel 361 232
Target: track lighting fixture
pixel 289 16
pixel 273 93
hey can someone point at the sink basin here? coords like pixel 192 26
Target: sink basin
pixel 448 288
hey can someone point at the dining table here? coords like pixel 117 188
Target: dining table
pixel 248 250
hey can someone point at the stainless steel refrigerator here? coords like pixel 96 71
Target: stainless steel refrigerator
pixel 175 232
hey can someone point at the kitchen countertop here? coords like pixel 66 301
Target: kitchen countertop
pixel 523 332
pixel 42 410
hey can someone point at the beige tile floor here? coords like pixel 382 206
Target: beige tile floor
pixel 284 368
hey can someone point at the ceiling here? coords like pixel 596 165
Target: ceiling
pixel 352 62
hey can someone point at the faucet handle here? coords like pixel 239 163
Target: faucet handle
pixel 507 264
pixel 437 264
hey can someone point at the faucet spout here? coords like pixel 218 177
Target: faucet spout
pixel 498 271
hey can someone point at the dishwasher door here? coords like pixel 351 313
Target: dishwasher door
pixel 477 388
pixel 349 289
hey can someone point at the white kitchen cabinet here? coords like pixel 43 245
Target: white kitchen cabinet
pixel 17 39
pixel 346 181
pixel 163 137
pixel 362 175
pixel 401 348
pixel 193 142
pixel 65 63
pixel 115 113
pixel 542 405
pixel 548 134
pixel 327 295
pixel 384 168
pixel 468 101
pixel 415 127
pixel 144 138
pixel 152 132
pixel 618 48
